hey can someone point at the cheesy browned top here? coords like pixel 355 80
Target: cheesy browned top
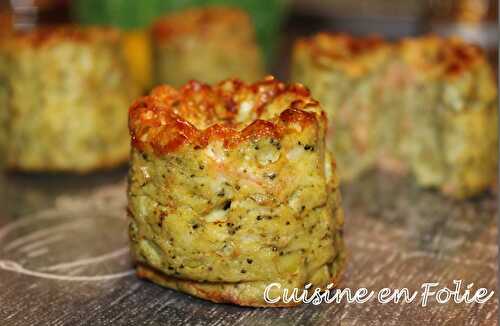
pixel 50 35
pixel 354 55
pixel 205 21
pixel 438 56
pixel 231 111
pixel 341 46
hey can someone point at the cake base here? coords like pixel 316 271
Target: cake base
pixel 249 294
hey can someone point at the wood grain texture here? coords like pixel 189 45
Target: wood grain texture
pixel 69 236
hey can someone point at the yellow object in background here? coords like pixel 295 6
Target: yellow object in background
pixel 137 49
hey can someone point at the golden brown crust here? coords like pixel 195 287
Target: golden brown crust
pixel 198 20
pixel 198 114
pixel 340 46
pixel 448 57
pixel 49 35
pixel 353 55
pixel 257 222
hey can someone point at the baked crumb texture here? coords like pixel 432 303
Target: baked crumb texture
pixel 207 44
pixel 425 105
pixel 231 189
pixel 64 94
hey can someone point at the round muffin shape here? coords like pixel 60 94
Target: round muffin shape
pixel 207 44
pixel 343 74
pixel 66 92
pixel 231 189
pixel 426 105
pixel 451 115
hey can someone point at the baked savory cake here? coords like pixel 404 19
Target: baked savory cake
pixel 424 104
pixel 451 100
pixel 207 44
pixel 343 72
pixel 231 189
pixel 66 92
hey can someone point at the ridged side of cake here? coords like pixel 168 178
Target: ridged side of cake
pixel 231 189
pixel 66 93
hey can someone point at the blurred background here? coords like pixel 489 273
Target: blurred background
pixel 279 22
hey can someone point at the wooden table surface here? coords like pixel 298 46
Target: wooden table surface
pixel 64 258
